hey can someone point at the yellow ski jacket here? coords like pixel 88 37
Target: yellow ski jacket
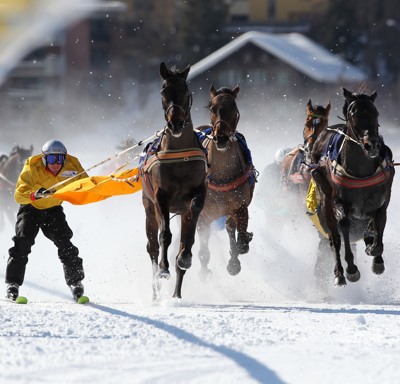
pixel 35 175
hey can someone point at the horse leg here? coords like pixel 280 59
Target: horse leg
pixel 204 252
pixel 165 235
pixel 352 272
pixel 374 241
pixel 319 175
pixel 244 237
pixel 153 247
pixel 234 263
pixel 188 231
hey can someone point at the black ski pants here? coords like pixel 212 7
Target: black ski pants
pixel 54 226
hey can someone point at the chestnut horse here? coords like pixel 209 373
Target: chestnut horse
pixel 10 168
pixel 295 176
pixel 231 179
pixel 174 180
pixel 354 179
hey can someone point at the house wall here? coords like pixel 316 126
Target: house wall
pixel 283 11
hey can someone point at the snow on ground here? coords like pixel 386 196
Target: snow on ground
pixel 270 324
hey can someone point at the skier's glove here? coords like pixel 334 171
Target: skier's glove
pixel 41 192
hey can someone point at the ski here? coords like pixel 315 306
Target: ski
pixel 24 300
pixel 82 300
pixel 18 300
pixel 21 300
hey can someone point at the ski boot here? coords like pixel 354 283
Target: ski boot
pixel 77 290
pixel 12 291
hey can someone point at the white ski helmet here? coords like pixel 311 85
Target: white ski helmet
pixel 52 147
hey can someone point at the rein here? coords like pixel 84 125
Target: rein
pixel 52 189
pixel 346 137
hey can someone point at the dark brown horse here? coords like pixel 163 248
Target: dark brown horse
pixel 231 179
pixel 10 168
pixel 174 180
pixel 295 176
pixel 354 180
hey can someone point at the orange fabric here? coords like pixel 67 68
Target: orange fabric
pixel 97 188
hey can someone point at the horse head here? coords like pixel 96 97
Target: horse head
pixel 316 122
pixel 362 120
pixel 21 153
pixel 11 167
pixel 176 99
pixel 224 115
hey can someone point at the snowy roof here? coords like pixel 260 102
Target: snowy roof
pixel 296 50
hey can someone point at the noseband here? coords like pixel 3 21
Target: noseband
pixel 186 121
pixel 316 120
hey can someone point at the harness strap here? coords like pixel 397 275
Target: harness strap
pixel 236 183
pixel 174 156
pixel 340 177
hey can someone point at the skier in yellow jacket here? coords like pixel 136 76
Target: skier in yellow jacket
pixel 39 210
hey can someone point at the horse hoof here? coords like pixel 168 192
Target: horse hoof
pixel 378 268
pixel 163 274
pixel 205 274
pixel 353 277
pixel 340 281
pixel 184 263
pixel 243 249
pixel 242 245
pixel 233 267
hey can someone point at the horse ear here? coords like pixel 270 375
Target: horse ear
pixel 373 96
pixel 235 91
pixel 328 106
pixel 184 73
pixel 213 91
pixel 347 94
pixel 309 104
pixel 164 71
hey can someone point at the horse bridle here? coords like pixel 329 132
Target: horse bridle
pixel 232 136
pixel 186 121
pixel 356 138
pixel 316 119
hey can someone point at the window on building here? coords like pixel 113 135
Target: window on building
pixel 271 9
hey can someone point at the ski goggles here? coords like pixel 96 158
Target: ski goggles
pixel 55 159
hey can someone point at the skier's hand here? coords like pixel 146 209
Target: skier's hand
pixel 42 192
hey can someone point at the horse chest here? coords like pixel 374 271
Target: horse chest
pixel 363 203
